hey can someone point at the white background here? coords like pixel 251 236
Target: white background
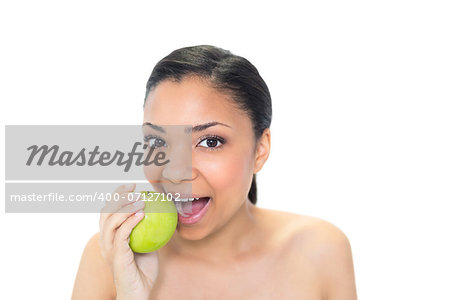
pixel 360 132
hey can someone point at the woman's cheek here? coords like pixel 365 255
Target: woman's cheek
pixel 153 175
pixel 225 173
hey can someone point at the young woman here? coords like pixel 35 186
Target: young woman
pixel 231 248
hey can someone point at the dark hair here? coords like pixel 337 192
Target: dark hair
pixel 227 72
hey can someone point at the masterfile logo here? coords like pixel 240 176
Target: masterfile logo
pixel 76 168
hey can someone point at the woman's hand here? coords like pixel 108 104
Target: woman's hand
pixel 134 273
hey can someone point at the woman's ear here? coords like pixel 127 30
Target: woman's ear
pixel 262 150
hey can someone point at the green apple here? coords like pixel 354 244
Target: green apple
pixel 157 226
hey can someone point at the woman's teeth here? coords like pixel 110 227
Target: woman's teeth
pixel 187 199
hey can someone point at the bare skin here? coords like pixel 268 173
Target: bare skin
pixel 237 250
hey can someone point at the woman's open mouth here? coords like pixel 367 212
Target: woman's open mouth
pixel 191 210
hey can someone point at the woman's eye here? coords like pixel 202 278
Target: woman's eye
pixel 155 142
pixel 211 142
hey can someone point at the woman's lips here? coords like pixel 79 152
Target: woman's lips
pixel 198 210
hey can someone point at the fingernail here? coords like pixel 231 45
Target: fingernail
pixel 139 204
pixel 129 186
pixel 139 213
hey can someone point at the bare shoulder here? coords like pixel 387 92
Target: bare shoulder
pixel 324 247
pixel 318 236
pixel 304 231
pixel 94 278
pixel 329 250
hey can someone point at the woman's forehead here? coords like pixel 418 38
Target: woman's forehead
pixel 190 101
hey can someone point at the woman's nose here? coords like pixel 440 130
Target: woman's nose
pixel 179 167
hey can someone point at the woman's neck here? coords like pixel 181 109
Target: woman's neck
pixel 236 237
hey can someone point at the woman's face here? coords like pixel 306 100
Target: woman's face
pixel 220 170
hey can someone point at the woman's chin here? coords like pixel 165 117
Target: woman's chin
pixel 192 233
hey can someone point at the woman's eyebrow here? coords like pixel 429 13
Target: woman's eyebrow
pixel 156 127
pixel 202 127
pixel 195 128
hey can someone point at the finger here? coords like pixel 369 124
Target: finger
pixel 125 188
pixel 123 232
pixel 117 195
pixel 116 220
pixel 115 205
pixel 118 201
